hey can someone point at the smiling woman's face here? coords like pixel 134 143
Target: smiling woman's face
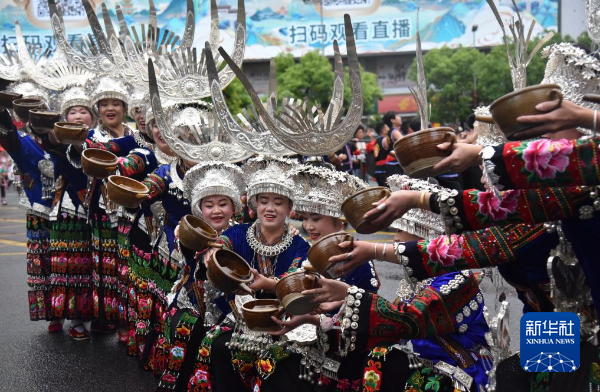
pixel 318 226
pixel 80 115
pixel 217 211
pixel 272 209
pixel 111 111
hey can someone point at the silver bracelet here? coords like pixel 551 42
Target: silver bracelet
pixel 383 253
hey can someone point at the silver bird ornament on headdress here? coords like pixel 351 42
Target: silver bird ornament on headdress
pixel 180 73
pixel 188 127
pixel 302 128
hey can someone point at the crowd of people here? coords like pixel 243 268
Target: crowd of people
pixel 112 268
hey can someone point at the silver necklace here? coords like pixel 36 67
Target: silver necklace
pixel 267 250
pixel 139 139
pixel 163 158
pixel 176 185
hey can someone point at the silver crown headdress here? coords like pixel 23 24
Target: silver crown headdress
pixel 576 72
pixel 269 174
pixel 301 128
pixel 213 178
pixel 74 96
pixel 180 73
pixel 30 89
pixel 138 100
pixel 320 190
pixel 108 87
pixel 190 130
pixel 19 60
pixel 418 222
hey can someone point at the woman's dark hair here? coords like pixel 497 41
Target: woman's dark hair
pixel 379 127
pixel 415 124
pixel 387 118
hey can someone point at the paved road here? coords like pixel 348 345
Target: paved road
pixel 33 360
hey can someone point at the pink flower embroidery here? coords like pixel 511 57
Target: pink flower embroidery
pixel 546 157
pixel 445 250
pixel 491 206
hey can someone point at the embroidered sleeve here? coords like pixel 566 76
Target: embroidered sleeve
pixel 476 249
pixel 120 146
pixel 544 163
pixel 430 313
pixel 299 256
pixel 131 165
pixel 474 210
pixel 157 186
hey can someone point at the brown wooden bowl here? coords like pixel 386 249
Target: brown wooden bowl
pixel 357 205
pixel 289 292
pixel 70 133
pixel 42 121
pixel 320 252
pixel 418 152
pixel 228 271
pixel 7 98
pixel 126 191
pixel 22 106
pixel 196 234
pixel 506 109
pixel 257 314
pixel 98 163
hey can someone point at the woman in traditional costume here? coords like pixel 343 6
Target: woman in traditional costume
pixel 215 189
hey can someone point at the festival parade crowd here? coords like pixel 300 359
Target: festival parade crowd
pixel 177 235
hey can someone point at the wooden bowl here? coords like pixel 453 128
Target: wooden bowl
pixel 418 152
pixel 228 271
pixel 98 163
pixel 506 109
pixel 42 121
pixel 289 292
pixel 320 252
pixel 7 98
pixel 257 314
pixel 357 205
pixel 126 191
pixel 22 106
pixel 196 234
pixel 70 133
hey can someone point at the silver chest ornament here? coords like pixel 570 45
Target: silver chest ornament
pixel 46 167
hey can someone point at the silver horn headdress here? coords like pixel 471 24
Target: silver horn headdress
pixel 181 73
pixel 214 178
pixel 53 74
pixel 18 61
pixel 320 190
pixel 418 222
pixel 305 129
pixel 189 129
pixel 31 89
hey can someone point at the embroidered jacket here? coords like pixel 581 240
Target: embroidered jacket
pixel 547 163
pixel 26 154
pixel 474 210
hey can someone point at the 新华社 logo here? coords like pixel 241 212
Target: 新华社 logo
pixel 550 342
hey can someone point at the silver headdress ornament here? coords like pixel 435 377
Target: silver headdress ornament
pixel 190 130
pixel 320 190
pixel 91 55
pixel 19 62
pixel 214 178
pixel 418 222
pixel 54 74
pixel 487 134
pixel 249 132
pixel 108 87
pixel 74 96
pixel 180 73
pixel 304 129
pixel 31 90
pixel 269 174
pixel 138 100
pixel 576 72
pixel 420 91
pixel 520 59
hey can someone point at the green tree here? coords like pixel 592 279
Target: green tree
pixel 312 77
pixel 449 75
